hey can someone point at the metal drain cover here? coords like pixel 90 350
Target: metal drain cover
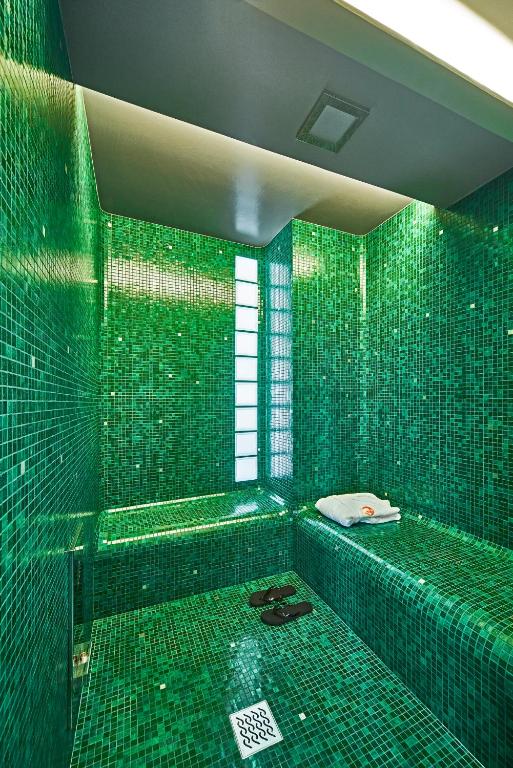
pixel 255 728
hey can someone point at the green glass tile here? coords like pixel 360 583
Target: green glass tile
pixel 436 605
pixel 326 351
pixel 168 365
pixel 438 361
pixel 165 679
pixel 50 284
pixel 162 552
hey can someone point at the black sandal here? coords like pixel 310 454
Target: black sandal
pixel 284 613
pixel 271 595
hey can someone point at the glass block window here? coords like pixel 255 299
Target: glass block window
pixel 246 369
pixel 279 438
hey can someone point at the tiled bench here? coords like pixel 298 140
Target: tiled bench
pixel 436 605
pixel 166 551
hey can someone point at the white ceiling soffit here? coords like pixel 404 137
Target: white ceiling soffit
pixel 450 33
pixel 225 66
pixel 152 167
pixel 351 34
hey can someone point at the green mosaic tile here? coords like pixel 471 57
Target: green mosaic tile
pixel 164 680
pixel 168 366
pixel 439 371
pixel 131 526
pixel 49 322
pixel 167 551
pixel 436 605
pixel 326 345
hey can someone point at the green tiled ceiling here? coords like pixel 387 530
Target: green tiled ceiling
pixel 165 679
pixel 49 320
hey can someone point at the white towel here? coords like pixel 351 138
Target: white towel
pixel 383 519
pixel 349 508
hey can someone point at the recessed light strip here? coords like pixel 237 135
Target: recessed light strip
pixel 449 33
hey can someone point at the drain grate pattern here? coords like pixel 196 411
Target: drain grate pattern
pixel 255 728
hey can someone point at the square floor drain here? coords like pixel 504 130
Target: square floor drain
pixel 255 728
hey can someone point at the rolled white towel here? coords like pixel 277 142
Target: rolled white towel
pixel 349 508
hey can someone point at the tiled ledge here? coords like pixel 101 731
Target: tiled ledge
pixel 436 605
pixel 166 551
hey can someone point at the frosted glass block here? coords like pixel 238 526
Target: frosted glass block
pixel 247 294
pixel 246 368
pixel 246 444
pixel 245 394
pixel 281 322
pixel 281 466
pixel 246 269
pixel 279 274
pixel 281 394
pixel 280 298
pixel 281 418
pixel 246 344
pixel 281 346
pixel 245 419
pixel 246 319
pixel 246 469
pixel 281 370
pixel 281 441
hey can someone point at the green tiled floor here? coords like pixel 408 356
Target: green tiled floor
pixel 129 525
pixel 165 678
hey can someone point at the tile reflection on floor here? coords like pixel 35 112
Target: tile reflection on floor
pixel 165 679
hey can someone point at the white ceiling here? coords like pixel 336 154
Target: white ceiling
pixel 253 75
pixel 497 12
pixel 349 34
pixel 153 167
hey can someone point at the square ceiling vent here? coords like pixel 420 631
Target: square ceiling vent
pixel 331 122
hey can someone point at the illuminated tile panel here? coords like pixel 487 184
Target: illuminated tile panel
pixel 435 605
pixel 277 453
pixel 246 368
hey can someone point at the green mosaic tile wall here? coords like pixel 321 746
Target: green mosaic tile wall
pixel 440 371
pixel 435 605
pixel 168 363
pixel 276 350
pixel 49 318
pixel 326 354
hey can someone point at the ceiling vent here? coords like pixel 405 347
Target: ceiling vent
pixel 331 122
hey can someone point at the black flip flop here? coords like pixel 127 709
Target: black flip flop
pixel 282 614
pixel 271 595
